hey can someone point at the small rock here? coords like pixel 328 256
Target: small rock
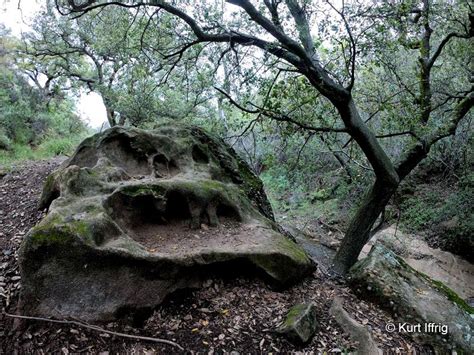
pixel 300 323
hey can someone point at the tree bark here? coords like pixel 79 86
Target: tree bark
pixel 109 111
pixel 358 233
pixel 110 116
pixel 379 195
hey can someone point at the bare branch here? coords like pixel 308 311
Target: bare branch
pixel 302 26
pixel 441 46
pixel 414 155
pixel 404 133
pixel 352 47
pixel 99 329
pixel 280 117
pixel 272 6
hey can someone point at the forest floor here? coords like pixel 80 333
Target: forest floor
pixel 225 315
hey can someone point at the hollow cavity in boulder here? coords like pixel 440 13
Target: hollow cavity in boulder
pixel 135 215
pixel 175 222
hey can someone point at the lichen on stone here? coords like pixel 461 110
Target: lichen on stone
pixel 414 297
pixel 157 209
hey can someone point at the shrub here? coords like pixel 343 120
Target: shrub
pixel 455 220
pixel 54 146
pixel 418 212
pixel 5 142
pixel 443 213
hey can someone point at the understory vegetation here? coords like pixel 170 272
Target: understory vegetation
pixel 34 123
pixel 434 202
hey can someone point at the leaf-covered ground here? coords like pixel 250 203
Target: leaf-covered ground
pixel 225 315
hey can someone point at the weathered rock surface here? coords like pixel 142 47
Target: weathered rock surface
pixel 450 269
pixel 300 323
pixel 358 332
pixel 135 215
pixel 415 298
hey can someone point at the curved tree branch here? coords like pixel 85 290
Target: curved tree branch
pixel 280 117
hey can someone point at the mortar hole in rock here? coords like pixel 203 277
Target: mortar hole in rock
pixel 157 224
pixel 227 213
pixel 199 156
pixel 120 152
pixel 49 198
pixel 177 209
pixel 86 157
pixel 164 167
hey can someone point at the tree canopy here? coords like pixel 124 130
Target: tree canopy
pixel 367 71
pixel 376 85
pixel 30 108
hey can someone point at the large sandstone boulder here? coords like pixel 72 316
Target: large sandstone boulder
pixel 135 215
pixel 414 298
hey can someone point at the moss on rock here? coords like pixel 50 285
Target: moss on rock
pixel 300 323
pixel 116 200
pixel 415 298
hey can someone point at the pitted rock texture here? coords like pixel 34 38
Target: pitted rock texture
pixel 135 215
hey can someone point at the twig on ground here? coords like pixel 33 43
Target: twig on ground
pixel 331 228
pixel 96 328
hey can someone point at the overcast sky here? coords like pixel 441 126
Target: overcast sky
pixel 89 106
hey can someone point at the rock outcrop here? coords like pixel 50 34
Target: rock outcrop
pixel 450 269
pixel 135 215
pixel 358 332
pixel 414 298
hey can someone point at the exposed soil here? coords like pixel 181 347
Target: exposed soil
pixel 225 315
pixel 179 237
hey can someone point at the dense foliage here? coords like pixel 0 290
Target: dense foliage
pixel 111 53
pixel 34 122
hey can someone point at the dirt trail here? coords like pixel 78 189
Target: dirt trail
pixel 225 315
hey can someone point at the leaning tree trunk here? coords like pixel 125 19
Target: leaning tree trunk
pixel 358 233
pixel 109 111
pixel 122 120
pixel 110 116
